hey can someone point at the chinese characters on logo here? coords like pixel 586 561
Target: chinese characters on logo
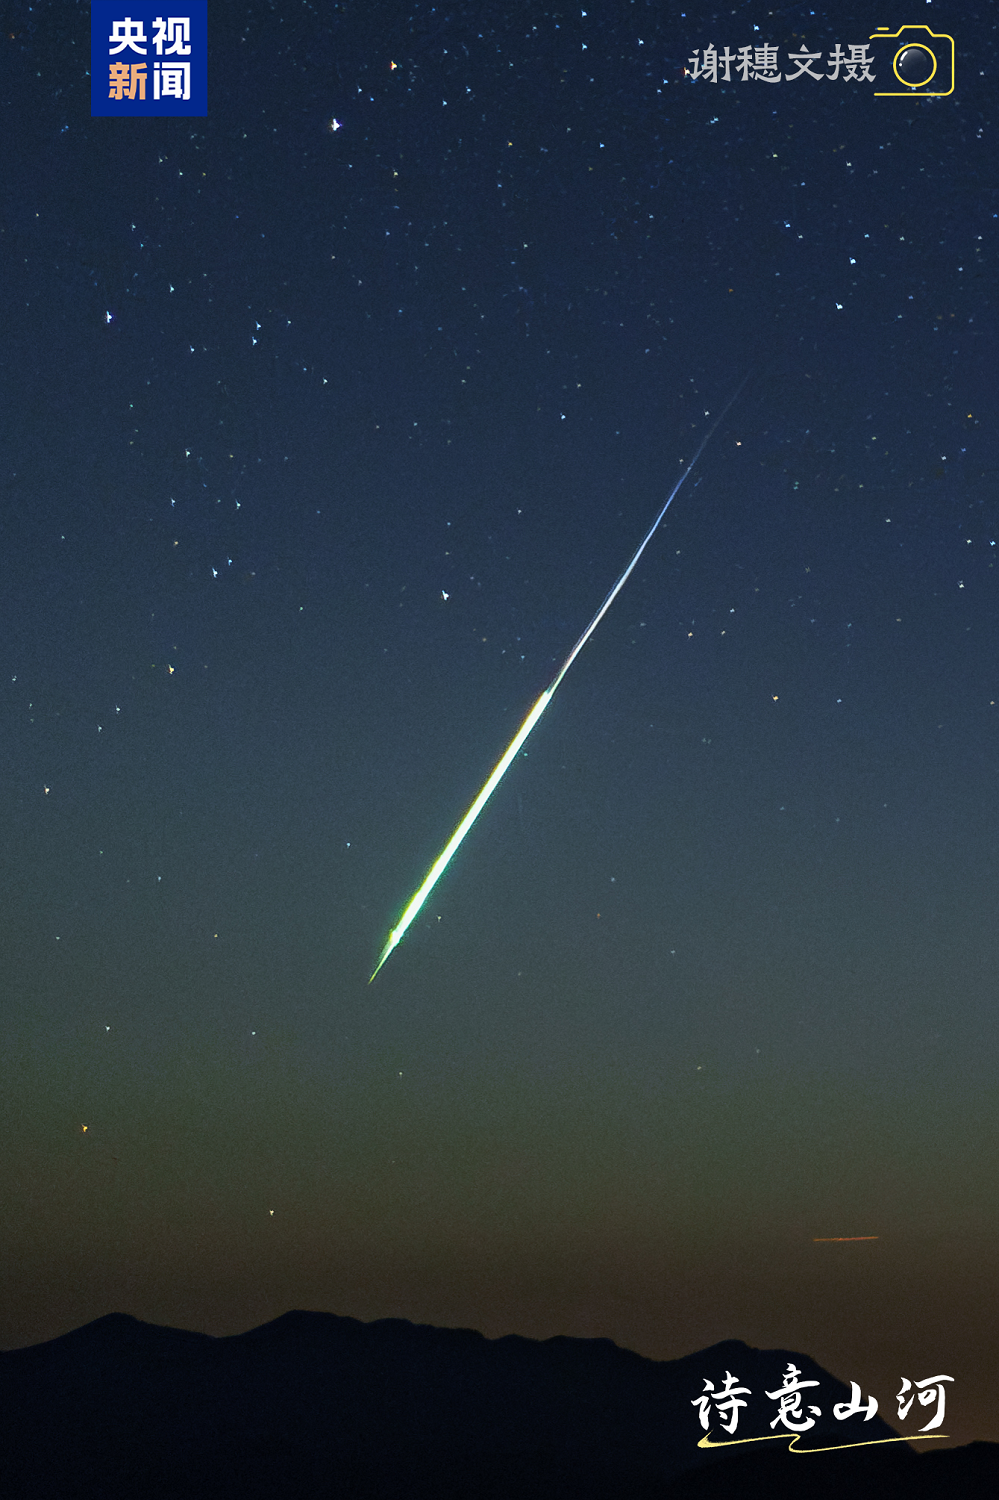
pixel 760 65
pixel 147 63
pixel 728 1402
pixel 171 79
pixel 911 60
pixel 789 1395
pixel 934 1392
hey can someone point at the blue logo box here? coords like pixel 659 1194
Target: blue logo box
pixel 145 61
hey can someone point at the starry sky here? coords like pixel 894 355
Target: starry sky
pixel 329 419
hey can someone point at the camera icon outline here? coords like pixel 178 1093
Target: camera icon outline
pixel 941 69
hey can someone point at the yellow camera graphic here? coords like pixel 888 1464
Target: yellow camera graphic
pixel 922 62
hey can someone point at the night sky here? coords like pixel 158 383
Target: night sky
pixel 328 422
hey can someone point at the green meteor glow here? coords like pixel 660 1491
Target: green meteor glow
pixel 443 859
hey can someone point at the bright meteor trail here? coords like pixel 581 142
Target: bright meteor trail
pixel 443 859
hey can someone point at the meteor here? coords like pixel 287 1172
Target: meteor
pixel 443 859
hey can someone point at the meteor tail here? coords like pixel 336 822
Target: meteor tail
pixel 394 938
pixel 443 859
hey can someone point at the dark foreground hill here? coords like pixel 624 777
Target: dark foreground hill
pixel 316 1407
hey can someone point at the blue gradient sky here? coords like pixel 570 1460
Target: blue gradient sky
pixel 714 975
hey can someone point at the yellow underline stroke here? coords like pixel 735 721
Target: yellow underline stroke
pixel 842 1239
pixel 775 1437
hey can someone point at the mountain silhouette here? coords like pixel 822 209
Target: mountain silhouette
pixel 318 1407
